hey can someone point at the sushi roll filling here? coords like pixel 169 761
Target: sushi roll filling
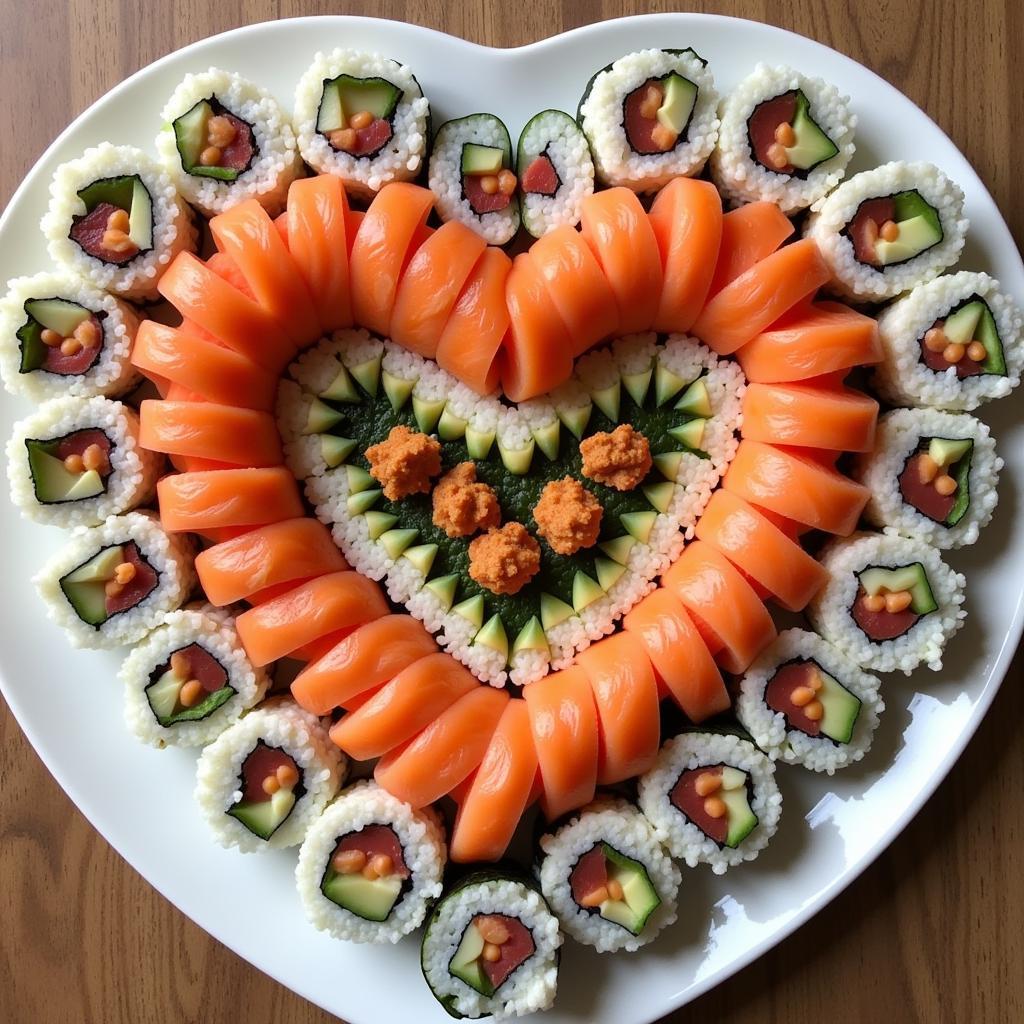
pixel 966 339
pixel 541 178
pixel 889 230
pixel 812 701
pixel 657 114
pixel 60 337
pixel 117 225
pixel 488 184
pixel 784 138
pixel 493 947
pixel 890 601
pixel 367 874
pixel 70 468
pixel 356 115
pixel 716 798
pixel 269 786
pixel 213 142
pixel 618 888
pixel 190 686
pixel 114 580
pixel 936 479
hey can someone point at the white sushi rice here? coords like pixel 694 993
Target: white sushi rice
pixel 601 117
pixel 830 610
pixel 134 470
pixel 904 379
pixel 830 216
pixel 402 157
pixel 173 230
pixel 275 164
pixel 620 825
pixel 445 176
pixel 421 837
pixel 170 555
pixel 741 178
pixel 899 434
pixel 686 840
pixel 531 987
pixel 282 724
pixel 215 633
pixel 768 727
pixel 112 374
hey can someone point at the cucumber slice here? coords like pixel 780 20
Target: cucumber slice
pixel 639 897
pixel 660 495
pixel 378 523
pixel 517 461
pixel 608 572
pixel 58 315
pixel 465 964
pixel 265 817
pixel 813 146
pixel 608 400
pixel 426 412
pixel 53 483
pixel 98 569
pixel 962 476
pixel 695 400
pixel 576 419
pixel 742 820
pixel 398 389
pixel 372 899
pixel 321 418
pixel 875 579
pixel 961 327
pixel 840 709
pixel 335 450
pixel 190 133
pixel 358 479
pixel 553 611
pixel 140 217
pixel 690 433
pixel 444 588
pixel 618 549
pixel 397 540
pixel 479 442
pixel 330 117
pixel 347 95
pixel 492 634
pixel 585 591
pixel 422 556
pixel 342 388
pixel 668 464
pixel 451 427
pixel 638 384
pixel 988 335
pixel 163 695
pixel 666 384
pixel 639 524
pixel 677 107
pixel 531 638
pixel 367 375
pixel 547 438
pixel 363 501
pixel 472 610
pixel 478 159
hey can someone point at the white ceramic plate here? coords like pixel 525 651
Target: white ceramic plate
pixel 69 703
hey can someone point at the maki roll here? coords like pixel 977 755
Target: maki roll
pixel 886 230
pixel 472 176
pixel 265 780
pixel 784 137
pixel 116 220
pixel 607 877
pixel 225 140
pixel 111 584
pixel 189 680
pixel 890 602
pixel 932 475
pixel 370 866
pixel 491 948
pixel 61 336
pixel 805 702
pixel 650 117
pixel 76 461
pixel 952 343
pixel 712 799
pixel 363 118
pixel 556 171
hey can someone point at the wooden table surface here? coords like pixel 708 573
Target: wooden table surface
pixel 931 932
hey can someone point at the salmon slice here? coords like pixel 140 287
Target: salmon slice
pixel 315 226
pixel 430 765
pixel 369 656
pixel 496 795
pixel 749 234
pixel 814 340
pixel 761 551
pixel 431 285
pixel 381 250
pixel 714 590
pixel 205 501
pixel 339 600
pixel 210 432
pixel 757 298
pixel 280 554
pixel 626 696
pixel 687 220
pixel 469 343
pixel 537 350
pixel 683 665
pixel 577 286
pixel 202 295
pixel 796 486
pixel 619 233
pixel 217 373
pixel 404 706
pixel 563 719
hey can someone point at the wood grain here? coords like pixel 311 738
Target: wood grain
pixel 930 933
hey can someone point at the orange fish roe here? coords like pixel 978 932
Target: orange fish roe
pixel 620 459
pixel 504 559
pixel 462 506
pixel 404 462
pixel 568 516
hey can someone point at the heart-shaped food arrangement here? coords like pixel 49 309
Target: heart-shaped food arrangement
pixel 526 452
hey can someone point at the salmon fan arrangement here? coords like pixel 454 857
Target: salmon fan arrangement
pixel 506 516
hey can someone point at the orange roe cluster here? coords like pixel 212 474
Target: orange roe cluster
pixel 404 462
pixel 462 506
pixel 620 459
pixel 504 559
pixel 568 516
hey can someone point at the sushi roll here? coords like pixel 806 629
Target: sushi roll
pixel 932 475
pixel 371 866
pixel 890 604
pixel 805 702
pixel 225 140
pixel 712 799
pixel 61 336
pixel 888 229
pixel 116 220
pixel 472 176
pixel 952 343
pixel 785 138
pixel 264 780
pixel 363 118
pixel 111 584
pixel 189 680
pixel 650 117
pixel 491 948
pixel 607 878
pixel 76 461
pixel 556 171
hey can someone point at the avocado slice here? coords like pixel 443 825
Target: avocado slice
pixel 974 321
pixel 478 159
pixel 920 229
pixel 660 495
pixel 618 549
pixel 58 315
pixel 812 146
pixel 575 420
pixel 84 587
pixel 639 524
pixel 465 964
pixel 608 572
pixel 690 433
pixel 362 502
pixel 395 542
pixel 398 389
pixel 944 451
pixel 346 95
pixel 378 523
pixel 585 591
pixel 677 106
pixel 321 417
pixel 695 400
pixel 531 638
pixel 472 610
pixel 639 897
pixel 372 899
pixel 479 442
pixel 451 427
pixel 335 450
pixel 444 588
pixel 422 556
pixel 733 793
pixel 841 709
pixel 876 578
pixel 427 412
pixel 961 327
pixel 53 483
pixel 553 611
pixel 668 464
pixel 263 818
pixel 493 635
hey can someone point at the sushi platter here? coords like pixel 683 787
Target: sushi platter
pixel 534 517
